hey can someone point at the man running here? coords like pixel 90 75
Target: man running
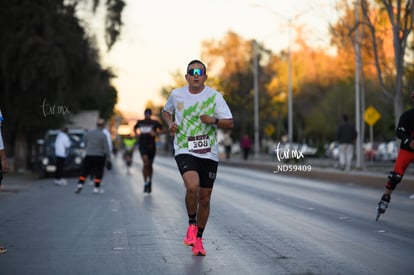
pixel 199 111
pixel 147 130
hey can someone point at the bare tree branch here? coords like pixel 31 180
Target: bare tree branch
pixel 401 19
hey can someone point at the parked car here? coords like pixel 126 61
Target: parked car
pixel 47 158
pixel 393 148
pixel 387 151
pixel 370 150
pixel 308 150
pixel 332 150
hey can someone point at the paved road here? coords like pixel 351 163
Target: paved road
pixel 260 223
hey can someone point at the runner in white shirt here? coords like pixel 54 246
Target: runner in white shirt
pixel 198 111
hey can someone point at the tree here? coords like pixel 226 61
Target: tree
pixel 49 67
pixel 231 60
pixel 401 19
pixel 344 38
pixel 323 84
pixel 113 17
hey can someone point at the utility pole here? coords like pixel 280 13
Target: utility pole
pixel 290 99
pixel 256 99
pixel 357 90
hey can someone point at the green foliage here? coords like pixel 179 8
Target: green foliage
pixel 113 21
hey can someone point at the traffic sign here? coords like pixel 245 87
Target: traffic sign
pixel 371 115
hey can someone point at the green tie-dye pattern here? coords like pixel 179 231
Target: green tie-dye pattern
pixel 192 125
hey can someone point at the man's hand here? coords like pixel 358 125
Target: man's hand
pixel 4 166
pixel 172 127
pixel 207 119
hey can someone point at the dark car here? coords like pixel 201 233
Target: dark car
pixel 47 158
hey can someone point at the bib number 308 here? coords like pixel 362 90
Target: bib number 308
pixel 199 144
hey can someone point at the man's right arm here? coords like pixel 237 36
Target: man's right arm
pixel 172 126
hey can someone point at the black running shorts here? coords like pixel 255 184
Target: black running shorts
pixel 150 152
pixel 206 168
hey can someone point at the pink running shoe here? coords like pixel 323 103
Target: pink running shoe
pixel 190 237
pixel 198 249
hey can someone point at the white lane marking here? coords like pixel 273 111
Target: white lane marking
pixel 115 205
pixel 119 240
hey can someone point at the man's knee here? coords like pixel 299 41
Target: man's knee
pixel 191 181
pixel 204 201
pixel 393 180
pixel 204 196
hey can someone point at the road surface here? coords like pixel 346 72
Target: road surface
pixel 260 223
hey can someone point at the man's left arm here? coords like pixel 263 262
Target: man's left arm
pixel 224 123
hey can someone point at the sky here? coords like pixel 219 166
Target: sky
pixel 160 37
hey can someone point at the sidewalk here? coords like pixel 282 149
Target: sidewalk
pixel 13 183
pixel 375 174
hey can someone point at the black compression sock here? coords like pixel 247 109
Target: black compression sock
pixel 200 232
pixel 192 219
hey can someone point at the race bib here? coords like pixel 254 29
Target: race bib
pixel 199 144
pixel 145 129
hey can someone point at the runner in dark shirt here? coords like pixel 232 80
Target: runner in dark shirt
pixel 146 130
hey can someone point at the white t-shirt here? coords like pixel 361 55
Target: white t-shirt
pixel 194 137
pixel 62 145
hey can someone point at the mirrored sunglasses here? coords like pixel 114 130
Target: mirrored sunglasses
pixel 194 72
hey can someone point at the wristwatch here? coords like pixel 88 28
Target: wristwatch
pixel 216 121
